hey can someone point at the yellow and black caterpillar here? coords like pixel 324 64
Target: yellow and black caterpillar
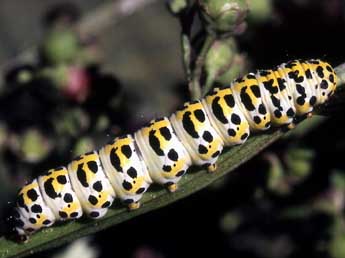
pixel 162 151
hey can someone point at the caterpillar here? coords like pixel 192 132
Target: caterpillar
pixel 163 150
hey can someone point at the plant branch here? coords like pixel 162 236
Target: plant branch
pixel 194 84
pixel 186 52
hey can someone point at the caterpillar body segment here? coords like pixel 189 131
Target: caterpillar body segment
pixel 58 194
pixel 226 117
pixel 324 78
pixel 302 94
pixel 312 81
pixel 286 101
pixel 274 94
pixel 162 151
pixel 195 131
pixel 91 185
pixel 125 170
pixel 166 158
pixel 248 95
pixel 31 213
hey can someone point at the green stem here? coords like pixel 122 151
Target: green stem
pixel 186 54
pixel 194 84
pixel 212 77
pixel 208 85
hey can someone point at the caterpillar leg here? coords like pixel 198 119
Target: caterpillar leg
pixel 310 115
pixel 133 206
pixel 212 168
pixel 291 126
pixel 172 187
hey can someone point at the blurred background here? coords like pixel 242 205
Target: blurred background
pixel 73 74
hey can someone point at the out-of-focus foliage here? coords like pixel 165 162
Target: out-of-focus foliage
pixel 223 15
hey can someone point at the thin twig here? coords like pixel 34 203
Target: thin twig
pixel 186 54
pixel 109 14
pixel 194 84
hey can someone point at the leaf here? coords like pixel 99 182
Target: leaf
pixel 154 199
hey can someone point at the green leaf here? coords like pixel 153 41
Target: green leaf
pixel 154 199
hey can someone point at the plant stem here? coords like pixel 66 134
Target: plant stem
pixel 186 54
pixel 108 14
pixel 208 85
pixel 194 84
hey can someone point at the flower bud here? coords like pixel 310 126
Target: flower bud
pixel 299 162
pixel 177 6
pixel 32 146
pixel 102 123
pixel 237 68
pixel 276 175
pixel 260 10
pixel 219 58
pixel 74 121
pixel 77 85
pixel 83 145
pixel 60 46
pixel 223 15
pixel 73 81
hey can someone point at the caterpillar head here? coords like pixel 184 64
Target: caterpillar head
pixel 328 81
